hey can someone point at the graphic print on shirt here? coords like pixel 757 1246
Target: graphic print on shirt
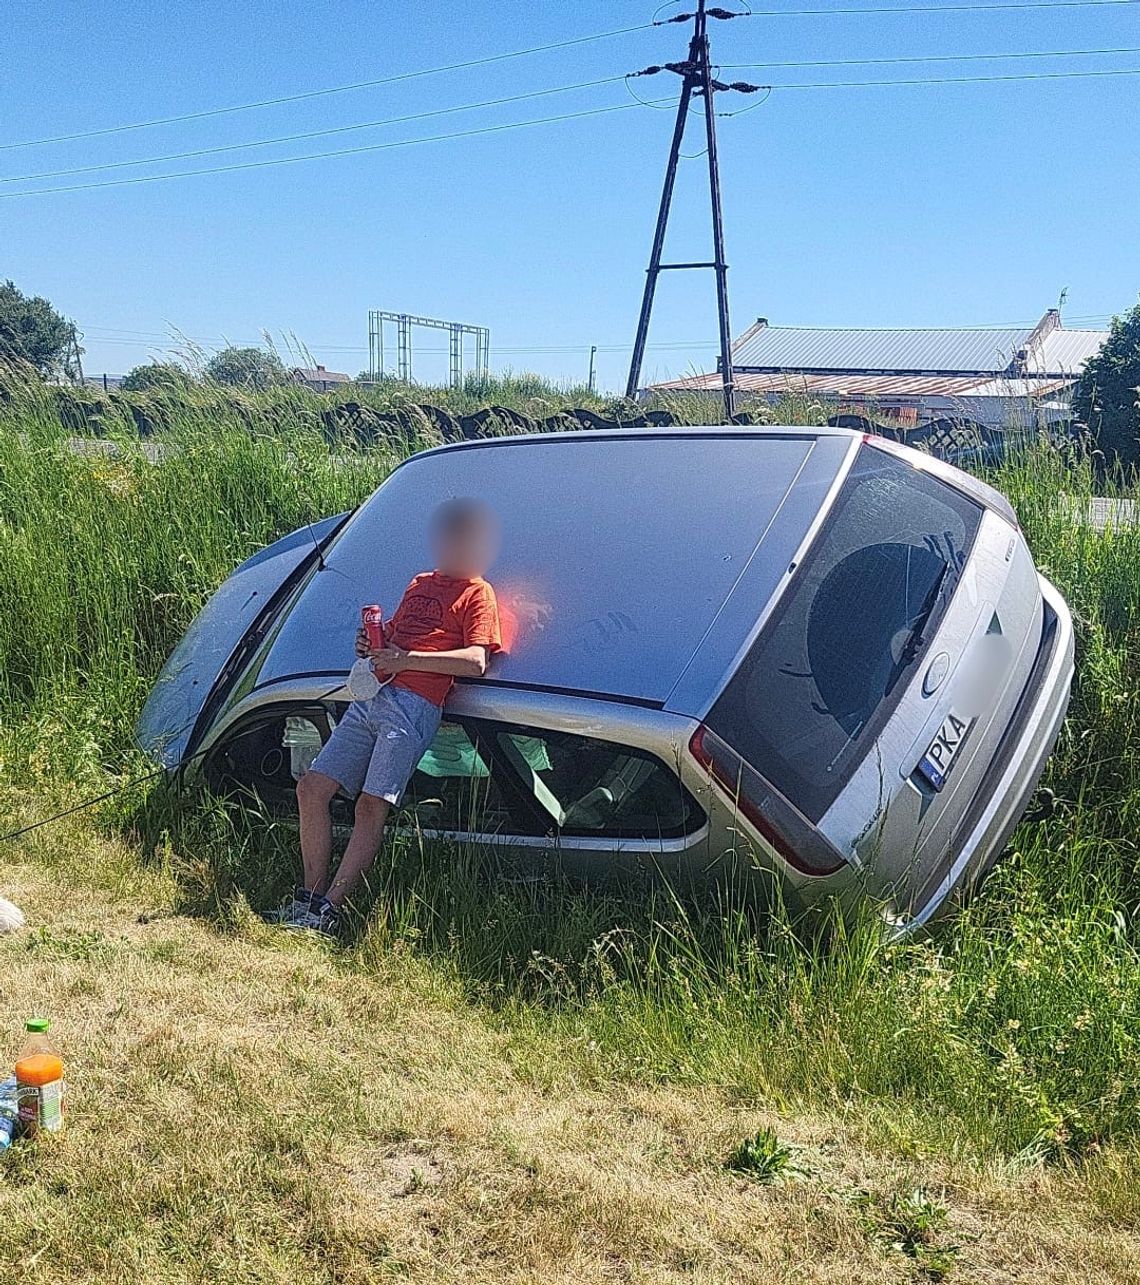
pixel 421 613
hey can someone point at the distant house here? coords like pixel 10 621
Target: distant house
pixel 992 376
pixel 319 378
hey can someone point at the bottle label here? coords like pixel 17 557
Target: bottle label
pixel 28 1104
pixel 41 1106
pixel 51 1106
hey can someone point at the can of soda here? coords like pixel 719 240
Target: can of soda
pixel 372 617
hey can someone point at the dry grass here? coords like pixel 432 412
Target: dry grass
pixel 246 1106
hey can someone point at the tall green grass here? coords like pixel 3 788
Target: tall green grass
pixel 1014 1033
pixel 109 548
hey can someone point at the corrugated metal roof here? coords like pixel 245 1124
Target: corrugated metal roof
pixel 1019 389
pixel 321 376
pixel 884 388
pixel 1064 352
pixel 779 348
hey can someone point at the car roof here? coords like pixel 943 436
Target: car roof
pixel 634 563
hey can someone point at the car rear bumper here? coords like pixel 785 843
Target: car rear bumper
pixel 1017 766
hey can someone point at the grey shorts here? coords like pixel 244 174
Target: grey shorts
pixel 376 746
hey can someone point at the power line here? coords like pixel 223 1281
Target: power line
pixel 317 156
pixel 116 335
pixel 558 350
pixel 933 8
pixel 922 80
pixel 145 334
pixel 874 62
pixel 316 133
pixel 325 92
pixel 957 80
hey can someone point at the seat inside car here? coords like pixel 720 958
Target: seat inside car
pixel 601 803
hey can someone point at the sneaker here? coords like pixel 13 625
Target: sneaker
pixel 295 905
pixel 318 914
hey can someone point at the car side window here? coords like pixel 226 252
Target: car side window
pixel 592 787
pixel 487 778
pixel 453 787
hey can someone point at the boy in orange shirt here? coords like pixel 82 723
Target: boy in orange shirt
pixel 446 627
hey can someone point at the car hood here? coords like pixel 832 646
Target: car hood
pixel 217 636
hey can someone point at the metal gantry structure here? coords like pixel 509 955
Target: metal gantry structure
pixel 404 322
pixel 697 81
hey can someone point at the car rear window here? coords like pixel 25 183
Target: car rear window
pixel 827 669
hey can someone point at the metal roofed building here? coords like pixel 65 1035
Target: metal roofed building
pixel 318 378
pixel 990 376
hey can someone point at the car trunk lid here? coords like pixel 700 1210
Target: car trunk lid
pixel 902 812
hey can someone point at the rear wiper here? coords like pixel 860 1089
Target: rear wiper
pixel 918 630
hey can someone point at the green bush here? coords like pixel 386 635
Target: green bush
pixel 166 376
pixel 1107 396
pixel 246 368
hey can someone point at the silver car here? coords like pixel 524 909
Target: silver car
pixel 806 653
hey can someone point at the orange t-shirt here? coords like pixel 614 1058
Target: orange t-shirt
pixel 441 613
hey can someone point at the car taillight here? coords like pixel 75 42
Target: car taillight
pixel 783 826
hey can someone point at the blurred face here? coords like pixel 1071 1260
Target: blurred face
pixel 465 538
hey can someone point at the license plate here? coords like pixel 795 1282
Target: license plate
pixel 935 764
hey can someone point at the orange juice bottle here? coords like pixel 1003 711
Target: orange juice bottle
pixel 39 1081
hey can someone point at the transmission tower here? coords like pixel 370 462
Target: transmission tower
pixel 697 81
pixel 404 321
pixel 73 357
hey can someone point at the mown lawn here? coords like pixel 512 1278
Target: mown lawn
pixel 247 1107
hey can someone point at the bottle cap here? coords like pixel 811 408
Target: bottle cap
pixel 37 1024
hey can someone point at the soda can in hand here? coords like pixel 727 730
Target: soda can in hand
pixel 372 618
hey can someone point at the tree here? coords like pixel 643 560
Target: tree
pixel 156 375
pixel 1107 396
pixel 246 368
pixel 31 330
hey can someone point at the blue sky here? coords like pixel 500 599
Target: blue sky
pixel 932 205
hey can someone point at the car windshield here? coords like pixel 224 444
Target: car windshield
pixel 827 669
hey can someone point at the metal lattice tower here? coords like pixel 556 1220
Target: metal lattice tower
pixel 404 321
pixel 73 359
pixel 696 81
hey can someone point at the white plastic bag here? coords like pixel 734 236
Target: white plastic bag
pixel 362 681
pixel 11 917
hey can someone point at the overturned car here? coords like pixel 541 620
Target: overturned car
pixel 806 652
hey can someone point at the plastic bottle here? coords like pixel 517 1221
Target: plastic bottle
pixel 39 1081
pixel 8 1112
